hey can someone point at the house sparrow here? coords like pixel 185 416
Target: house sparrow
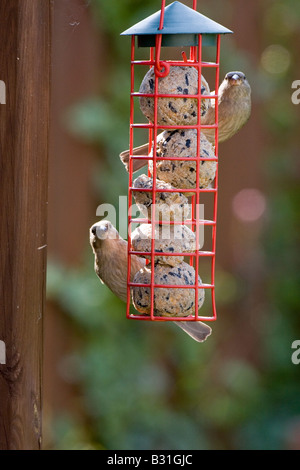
pixel 234 107
pixel 234 104
pixel 110 252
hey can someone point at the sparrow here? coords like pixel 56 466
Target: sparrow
pixel 110 251
pixel 234 108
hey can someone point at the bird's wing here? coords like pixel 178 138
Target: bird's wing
pixel 196 330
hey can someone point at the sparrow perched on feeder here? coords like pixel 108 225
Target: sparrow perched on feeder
pixel 234 106
pixel 110 252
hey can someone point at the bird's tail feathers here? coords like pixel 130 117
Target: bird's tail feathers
pixel 197 330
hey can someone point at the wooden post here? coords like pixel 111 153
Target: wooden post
pixel 24 120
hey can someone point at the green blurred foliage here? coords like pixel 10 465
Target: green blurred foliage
pixel 148 386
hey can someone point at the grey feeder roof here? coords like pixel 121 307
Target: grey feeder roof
pixel 182 25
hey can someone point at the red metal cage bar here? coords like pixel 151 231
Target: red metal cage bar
pixel 161 68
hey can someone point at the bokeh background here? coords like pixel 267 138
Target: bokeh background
pixel 111 383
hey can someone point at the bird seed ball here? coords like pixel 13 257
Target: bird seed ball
pixel 174 111
pixel 168 206
pixel 167 239
pixel 182 174
pixel 169 302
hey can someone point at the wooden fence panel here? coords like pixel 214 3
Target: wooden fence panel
pixel 25 70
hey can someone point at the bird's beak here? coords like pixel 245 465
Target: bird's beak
pixel 234 79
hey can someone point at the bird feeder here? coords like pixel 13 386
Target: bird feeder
pixel 175 25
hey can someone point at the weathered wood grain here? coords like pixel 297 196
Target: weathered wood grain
pixel 25 27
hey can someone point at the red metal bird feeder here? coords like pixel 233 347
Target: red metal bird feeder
pixel 174 25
